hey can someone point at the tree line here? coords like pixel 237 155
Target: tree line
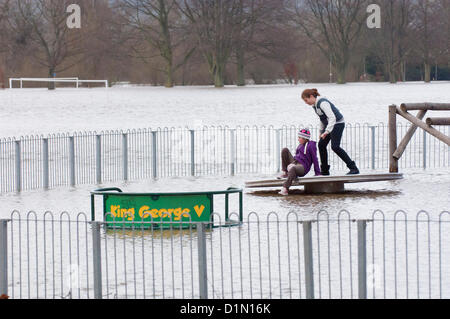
pixel 220 42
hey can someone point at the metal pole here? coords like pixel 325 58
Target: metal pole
pixel 373 146
pixel 424 149
pixel 192 153
pixel 202 268
pixel 18 167
pixel 98 157
pixel 241 207
pixel 72 161
pixel 4 257
pixel 278 150
pixel 309 270
pixel 45 170
pixel 362 260
pixel 233 151
pixel 155 167
pixel 97 259
pixel 125 156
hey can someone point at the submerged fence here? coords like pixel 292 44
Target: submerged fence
pixel 268 256
pixel 92 158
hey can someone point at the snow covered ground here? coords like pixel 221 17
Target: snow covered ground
pixel 39 111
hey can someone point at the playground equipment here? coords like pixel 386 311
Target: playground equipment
pixel 395 152
pixel 161 210
pixel 75 80
pixel 326 184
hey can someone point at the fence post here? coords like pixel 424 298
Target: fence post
pixel 278 137
pixel 154 161
pixel 3 257
pixel 18 167
pixel 45 177
pixel 125 156
pixel 233 151
pixel 424 149
pixel 72 160
pixel 309 270
pixel 362 260
pixel 98 148
pixel 97 259
pixel 202 269
pixel 192 152
pixel 373 146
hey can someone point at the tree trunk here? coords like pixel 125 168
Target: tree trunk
pixel 392 74
pixel 427 71
pixel 169 75
pixel 51 73
pixel 219 79
pixel 341 73
pixel 240 67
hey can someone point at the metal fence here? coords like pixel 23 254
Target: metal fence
pixel 92 158
pixel 278 257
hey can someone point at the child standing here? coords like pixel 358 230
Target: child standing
pixel 332 128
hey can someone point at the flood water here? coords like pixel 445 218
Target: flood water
pixel 164 259
pixel 420 189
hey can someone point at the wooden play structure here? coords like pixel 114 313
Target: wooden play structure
pixel 396 152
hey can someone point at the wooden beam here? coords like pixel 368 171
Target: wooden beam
pixel 425 107
pixel 412 130
pixel 393 162
pixel 325 180
pixel 439 135
pixel 438 121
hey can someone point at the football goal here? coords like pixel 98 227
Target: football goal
pixel 76 81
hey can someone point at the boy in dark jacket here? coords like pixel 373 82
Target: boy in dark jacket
pixel 300 165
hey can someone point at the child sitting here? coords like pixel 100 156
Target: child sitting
pixel 301 164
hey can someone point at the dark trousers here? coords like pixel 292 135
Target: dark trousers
pixel 335 138
pixel 296 171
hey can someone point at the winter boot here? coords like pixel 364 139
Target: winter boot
pixel 353 169
pixel 284 191
pixel 325 170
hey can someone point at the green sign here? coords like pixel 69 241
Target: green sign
pixel 156 210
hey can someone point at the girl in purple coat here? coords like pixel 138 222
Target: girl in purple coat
pixel 300 165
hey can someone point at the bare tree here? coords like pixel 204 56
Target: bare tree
pixel 47 22
pixel 334 26
pixel 425 28
pixel 215 26
pixel 156 21
pixel 4 9
pixel 443 29
pixel 391 42
pixel 253 18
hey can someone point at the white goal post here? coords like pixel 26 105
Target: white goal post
pixel 77 81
